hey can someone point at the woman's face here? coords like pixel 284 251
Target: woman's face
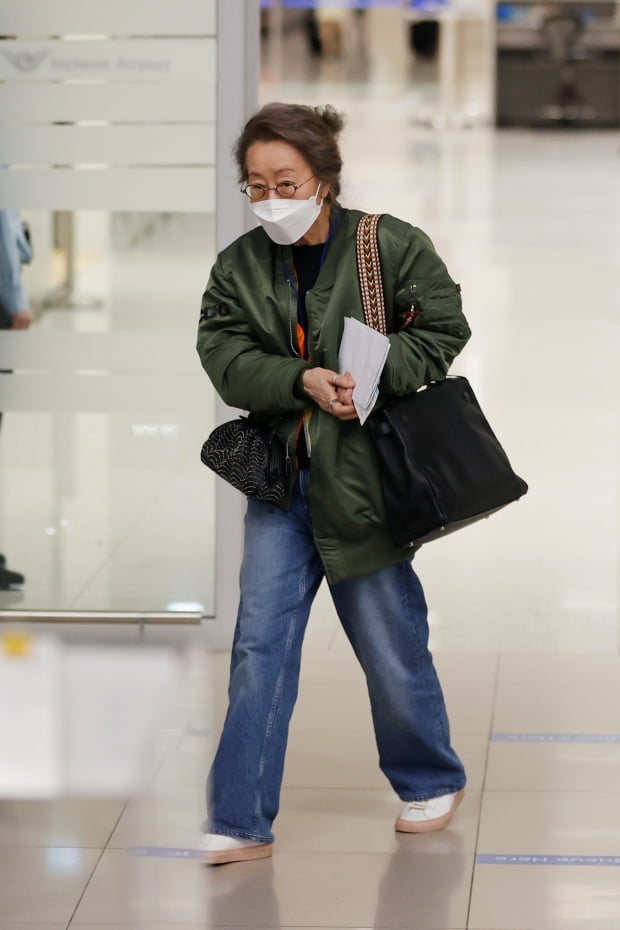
pixel 271 163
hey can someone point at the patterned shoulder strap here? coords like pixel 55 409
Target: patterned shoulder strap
pixel 369 271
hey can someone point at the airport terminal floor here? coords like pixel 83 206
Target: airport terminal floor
pixel 523 607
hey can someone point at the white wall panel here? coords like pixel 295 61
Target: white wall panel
pixel 238 79
pixel 115 60
pixel 155 189
pixel 191 101
pixel 117 17
pixel 115 145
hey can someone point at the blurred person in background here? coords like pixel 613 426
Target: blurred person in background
pixel 333 22
pixel 15 251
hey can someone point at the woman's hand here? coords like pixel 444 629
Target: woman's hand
pixel 331 391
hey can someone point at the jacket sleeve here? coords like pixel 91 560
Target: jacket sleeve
pixel 245 371
pixel 434 334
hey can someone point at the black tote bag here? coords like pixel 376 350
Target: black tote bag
pixel 441 465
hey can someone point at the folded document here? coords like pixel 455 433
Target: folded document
pixel 363 352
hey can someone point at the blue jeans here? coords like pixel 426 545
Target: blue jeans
pixel 383 615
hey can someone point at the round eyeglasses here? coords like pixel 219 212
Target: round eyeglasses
pixel 284 189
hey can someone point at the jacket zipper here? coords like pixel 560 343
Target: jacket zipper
pixel 288 462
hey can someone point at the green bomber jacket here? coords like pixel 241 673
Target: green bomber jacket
pixel 247 345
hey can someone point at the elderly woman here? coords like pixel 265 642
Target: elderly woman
pixel 271 323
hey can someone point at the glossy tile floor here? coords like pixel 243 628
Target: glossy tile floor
pixel 524 609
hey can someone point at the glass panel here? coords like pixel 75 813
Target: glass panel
pixel 108 141
pixel 181 101
pixel 104 503
pixel 183 17
pixel 116 188
pixel 111 144
pixel 144 60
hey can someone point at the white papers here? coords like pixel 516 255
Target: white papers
pixel 363 352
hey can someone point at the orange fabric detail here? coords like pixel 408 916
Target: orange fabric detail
pixel 301 340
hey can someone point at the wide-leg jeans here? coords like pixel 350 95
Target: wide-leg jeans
pixel 384 616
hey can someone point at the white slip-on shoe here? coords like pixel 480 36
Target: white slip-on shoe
pixel 218 849
pixel 426 816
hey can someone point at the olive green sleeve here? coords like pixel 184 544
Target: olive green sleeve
pixel 245 372
pixel 431 337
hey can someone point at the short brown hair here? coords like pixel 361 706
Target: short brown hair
pixel 313 131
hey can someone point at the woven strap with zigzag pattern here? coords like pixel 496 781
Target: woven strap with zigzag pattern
pixel 369 270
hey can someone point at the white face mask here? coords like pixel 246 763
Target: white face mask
pixel 286 220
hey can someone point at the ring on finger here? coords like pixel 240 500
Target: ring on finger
pixel 334 380
pixel 332 404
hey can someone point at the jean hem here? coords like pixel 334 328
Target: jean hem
pixel 430 797
pixel 241 835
